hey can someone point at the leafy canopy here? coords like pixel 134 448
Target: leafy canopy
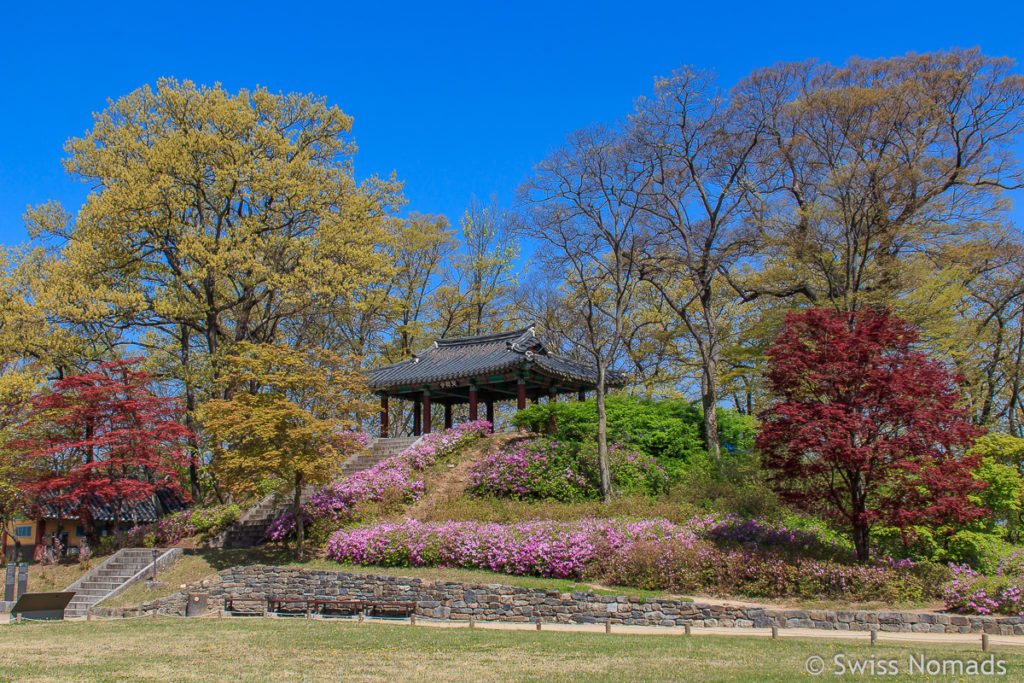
pixel 863 427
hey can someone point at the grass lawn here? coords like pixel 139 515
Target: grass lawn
pixel 292 649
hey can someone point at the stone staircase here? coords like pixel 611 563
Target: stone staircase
pixel 377 450
pixel 251 527
pixel 124 568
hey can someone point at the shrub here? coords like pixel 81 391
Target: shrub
pixel 204 522
pixel 701 566
pixel 536 468
pixel 973 592
pixel 542 469
pixel 543 548
pixel 714 553
pixel 660 429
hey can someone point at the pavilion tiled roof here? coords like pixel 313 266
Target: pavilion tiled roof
pixel 467 357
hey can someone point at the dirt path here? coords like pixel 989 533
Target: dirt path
pixel 444 486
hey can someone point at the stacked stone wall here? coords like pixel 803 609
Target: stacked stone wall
pixel 497 602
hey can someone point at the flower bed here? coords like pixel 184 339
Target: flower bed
pixel 547 469
pixel 556 549
pixel 391 481
pixel 758 559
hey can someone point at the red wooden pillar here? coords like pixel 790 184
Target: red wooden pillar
pixel 521 394
pixel 383 416
pixel 582 396
pixel 552 396
pixel 490 411
pixel 426 412
pixel 472 403
pixel 416 421
pixel 447 415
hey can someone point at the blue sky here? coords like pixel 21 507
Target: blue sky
pixel 457 98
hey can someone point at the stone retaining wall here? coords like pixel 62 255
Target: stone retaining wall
pixel 496 602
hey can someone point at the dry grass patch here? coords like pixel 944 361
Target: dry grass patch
pixel 286 649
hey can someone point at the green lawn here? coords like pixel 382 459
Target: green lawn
pixel 296 649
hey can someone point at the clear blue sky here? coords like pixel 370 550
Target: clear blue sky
pixel 457 98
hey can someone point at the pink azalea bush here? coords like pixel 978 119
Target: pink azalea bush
pixel 536 468
pixel 653 554
pixel 547 469
pixel 545 548
pixel 392 480
pixel 1001 592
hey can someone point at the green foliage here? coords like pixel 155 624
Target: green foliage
pixel 211 521
pixel 979 549
pixel 1004 497
pixel 667 430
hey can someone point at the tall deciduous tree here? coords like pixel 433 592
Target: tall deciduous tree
pixel 285 419
pixel 864 428
pixel 582 206
pixel 697 148
pixel 875 163
pixel 216 218
pixel 103 437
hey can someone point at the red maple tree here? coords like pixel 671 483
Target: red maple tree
pixel 865 429
pixel 104 438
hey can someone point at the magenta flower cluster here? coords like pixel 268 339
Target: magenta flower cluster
pixel 537 468
pixel 653 554
pixel 544 468
pixel 1001 592
pixel 391 480
pixel 544 548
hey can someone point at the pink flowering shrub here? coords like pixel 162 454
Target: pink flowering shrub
pixel 537 468
pixel 391 481
pixel 1001 592
pixel 651 554
pixel 557 549
pixel 547 469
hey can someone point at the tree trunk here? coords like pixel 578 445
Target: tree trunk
pixel 602 437
pixel 300 532
pixel 190 419
pixel 709 380
pixel 860 541
pixel 859 522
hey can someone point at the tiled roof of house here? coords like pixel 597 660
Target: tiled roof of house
pixel 141 511
pixel 467 357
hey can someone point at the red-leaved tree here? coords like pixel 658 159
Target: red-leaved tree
pixel 104 438
pixel 865 429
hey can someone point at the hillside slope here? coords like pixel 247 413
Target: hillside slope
pixel 451 479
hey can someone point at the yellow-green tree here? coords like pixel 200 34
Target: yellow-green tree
pixel 284 419
pixel 216 218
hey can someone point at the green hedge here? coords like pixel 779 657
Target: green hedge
pixel 663 429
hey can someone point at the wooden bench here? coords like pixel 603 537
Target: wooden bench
pixel 245 607
pixel 391 610
pixel 336 608
pixel 288 606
